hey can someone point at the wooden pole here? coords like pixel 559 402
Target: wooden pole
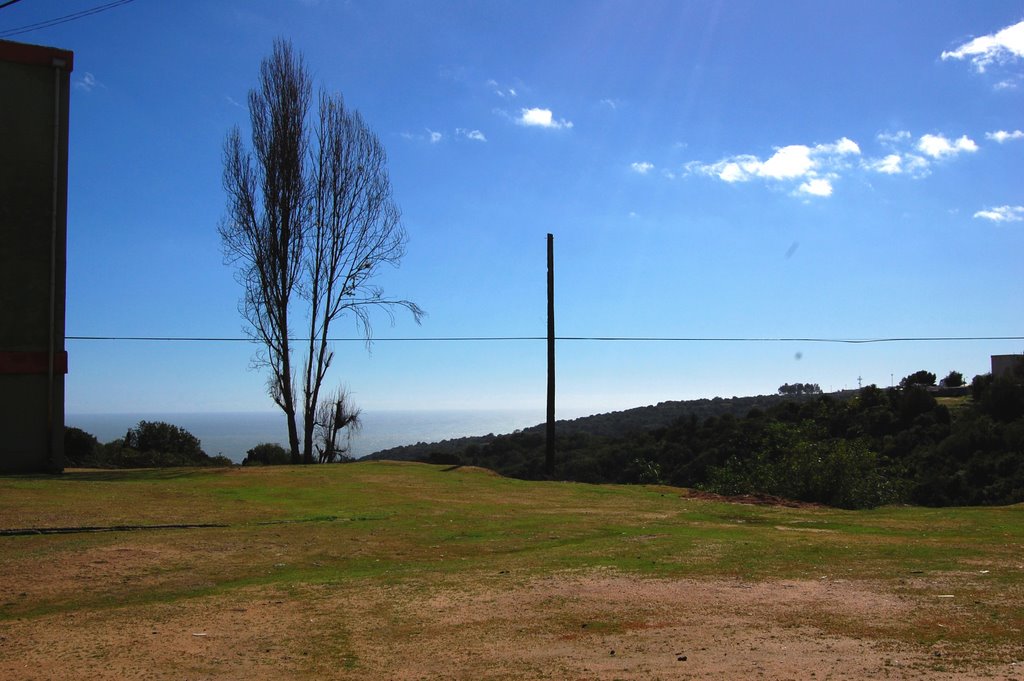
pixel 549 448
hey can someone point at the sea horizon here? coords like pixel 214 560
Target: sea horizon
pixel 232 434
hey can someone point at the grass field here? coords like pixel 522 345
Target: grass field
pixel 386 570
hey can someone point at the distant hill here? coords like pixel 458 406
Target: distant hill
pixel 613 424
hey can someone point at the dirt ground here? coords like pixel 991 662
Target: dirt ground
pixel 599 625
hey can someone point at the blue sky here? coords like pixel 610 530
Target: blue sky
pixel 709 169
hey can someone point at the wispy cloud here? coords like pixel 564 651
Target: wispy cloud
pixel 642 167
pixel 1002 214
pixel 87 82
pixel 541 118
pixel 431 136
pixel 811 168
pixel 1002 136
pixel 502 91
pixel 893 138
pixel 889 165
pixel 610 103
pixel 475 135
pixel 1004 46
pixel 231 100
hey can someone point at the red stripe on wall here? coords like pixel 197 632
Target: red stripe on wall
pixel 32 362
pixel 36 55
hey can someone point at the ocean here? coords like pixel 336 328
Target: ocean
pixel 234 433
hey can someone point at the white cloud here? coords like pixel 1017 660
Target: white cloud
pixel 1004 136
pixel 937 146
pixel 1002 47
pixel 610 103
pixel 86 82
pixel 816 187
pixel 844 146
pixel 914 159
pixel 1002 214
pixel 642 167
pixel 890 165
pixel 475 135
pixel 900 164
pixel 435 137
pixel 813 167
pixel 541 118
pixel 787 163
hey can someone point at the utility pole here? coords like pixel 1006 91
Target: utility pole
pixel 549 445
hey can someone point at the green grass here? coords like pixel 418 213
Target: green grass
pixel 292 527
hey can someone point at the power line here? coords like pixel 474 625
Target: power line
pixel 60 20
pixel 613 339
pixel 8 3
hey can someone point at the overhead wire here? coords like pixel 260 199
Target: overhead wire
pixel 616 339
pixel 60 20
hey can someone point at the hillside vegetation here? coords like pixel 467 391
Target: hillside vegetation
pixel 877 447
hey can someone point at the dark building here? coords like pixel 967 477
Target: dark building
pixel 1005 364
pixel 34 89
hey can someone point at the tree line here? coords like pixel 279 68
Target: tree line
pixel 150 444
pixel 881 446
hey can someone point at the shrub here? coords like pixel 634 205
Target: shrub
pixel 80 447
pixel 267 454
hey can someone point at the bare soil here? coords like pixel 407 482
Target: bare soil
pixel 600 625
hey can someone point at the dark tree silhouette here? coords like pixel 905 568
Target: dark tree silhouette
pixel 918 378
pixel 953 380
pixel 268 207
pixel 311 218
pixel 799 389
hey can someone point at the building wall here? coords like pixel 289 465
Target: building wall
pixel 1004 364
pixel 34 82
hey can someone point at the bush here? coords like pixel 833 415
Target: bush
pixel 164 438
pixel 155 444
pixel 80 447
pixel 267 454
pixel 843 473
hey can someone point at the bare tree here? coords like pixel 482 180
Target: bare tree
pixel 268 206
pixel 313 214
pixel 334 415
pixel 356 228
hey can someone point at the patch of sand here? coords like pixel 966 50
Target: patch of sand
pixel 599 625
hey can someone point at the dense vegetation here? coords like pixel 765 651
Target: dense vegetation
pixel 879 447
pixel 150 444
pixel 612 424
